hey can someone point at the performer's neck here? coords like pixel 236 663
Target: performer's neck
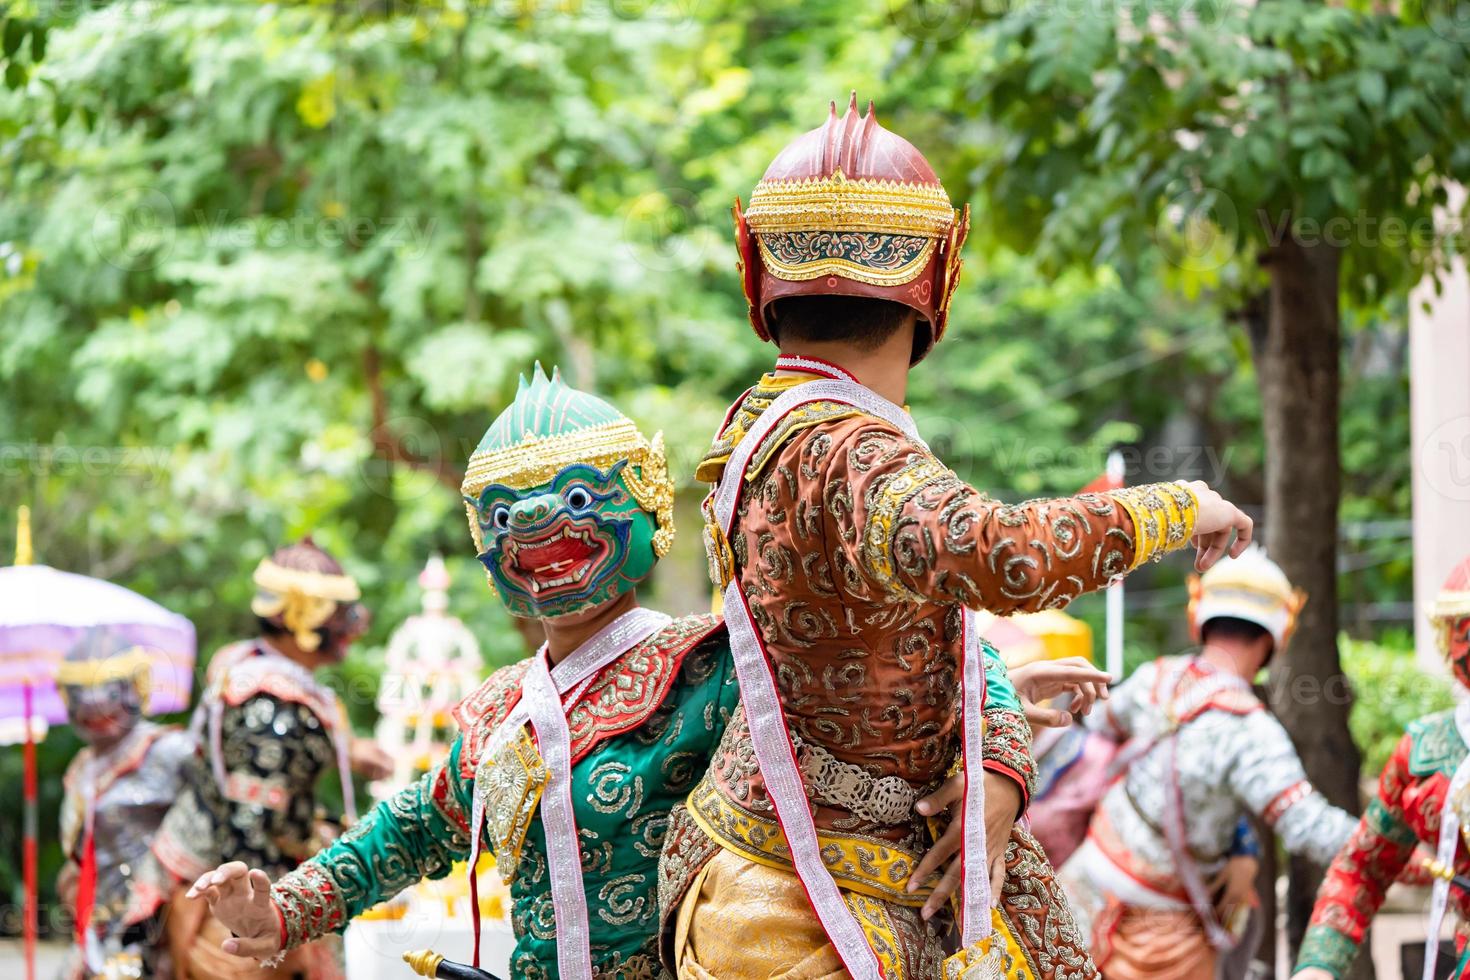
pixel 564 634
pixel 884 369
pixel 1242 663
pixel 287 647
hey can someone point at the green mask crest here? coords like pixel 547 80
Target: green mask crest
pixel 569 505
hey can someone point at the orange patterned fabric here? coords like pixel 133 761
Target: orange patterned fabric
pixel 856 548
pixel 1153 944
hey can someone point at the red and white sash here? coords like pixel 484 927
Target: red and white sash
pixel 761 699
pixel 541 707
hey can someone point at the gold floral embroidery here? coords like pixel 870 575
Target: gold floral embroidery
pixel 885 509
pixel 1163 518
pixel 510 784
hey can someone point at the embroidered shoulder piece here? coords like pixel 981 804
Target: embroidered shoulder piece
pixel 627 691
pixel 750 408
pixel 486 707
pixel 272 674
pixel 1437 746
pixel 619 698
pixel 1233 699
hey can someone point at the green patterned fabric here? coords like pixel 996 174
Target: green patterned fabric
pixel 623 791
pixel 1000 693
pixel 1389 825
pixel 1437 745
pixel 1326 948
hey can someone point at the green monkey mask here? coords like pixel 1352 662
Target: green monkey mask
pixel 569 505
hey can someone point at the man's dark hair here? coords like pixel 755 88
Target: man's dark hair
pixel 862 321
pixel 1232 628
pixel 268 628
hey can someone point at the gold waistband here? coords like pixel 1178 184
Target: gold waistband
pixel 858 862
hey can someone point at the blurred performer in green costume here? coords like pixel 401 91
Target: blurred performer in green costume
pixel 569 761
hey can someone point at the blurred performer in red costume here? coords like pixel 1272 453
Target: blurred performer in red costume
pixel 1423 796
pixel 118 789
pixel 872 715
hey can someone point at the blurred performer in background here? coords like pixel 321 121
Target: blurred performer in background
pixel 1154 878
pixel 118 789
pixel 568 761
pixel 269 730
pixel 847 554
pixel 1422 797
pixel 1072 774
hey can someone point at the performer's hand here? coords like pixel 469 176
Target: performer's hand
pixel 1216 519
pixel 369 760
pixel 1002 806
pixel 1042 680
pixel 1235 885
pixel 241 899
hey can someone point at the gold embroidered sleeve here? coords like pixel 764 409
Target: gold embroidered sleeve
pixel 917 531
pixel 419 833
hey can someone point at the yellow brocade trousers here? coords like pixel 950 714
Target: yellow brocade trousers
pixel 740 920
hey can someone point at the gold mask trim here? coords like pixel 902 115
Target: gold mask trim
pixel 133 665
pixel 303 599
pixel 835 203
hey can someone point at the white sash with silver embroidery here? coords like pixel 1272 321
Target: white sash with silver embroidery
pixel 1449 842
pixel 541 707
pixel 767 722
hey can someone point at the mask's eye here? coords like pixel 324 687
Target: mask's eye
pixel 500 517
pixel 578 498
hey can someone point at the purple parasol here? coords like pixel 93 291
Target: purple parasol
pixel 44 611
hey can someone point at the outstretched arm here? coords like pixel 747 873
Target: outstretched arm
pixel 1269 779
pixel 921 532
pixel 418 833
pixel 1360 874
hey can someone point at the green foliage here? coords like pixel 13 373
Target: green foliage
pixel 1209 133
pixel 1389 691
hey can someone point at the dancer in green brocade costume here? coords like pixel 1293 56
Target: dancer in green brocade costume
pixel 570 507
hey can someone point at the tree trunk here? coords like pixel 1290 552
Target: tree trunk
pixel 1298 366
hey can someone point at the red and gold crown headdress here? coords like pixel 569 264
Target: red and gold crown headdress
pixel 1451 605
pixel 851 209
